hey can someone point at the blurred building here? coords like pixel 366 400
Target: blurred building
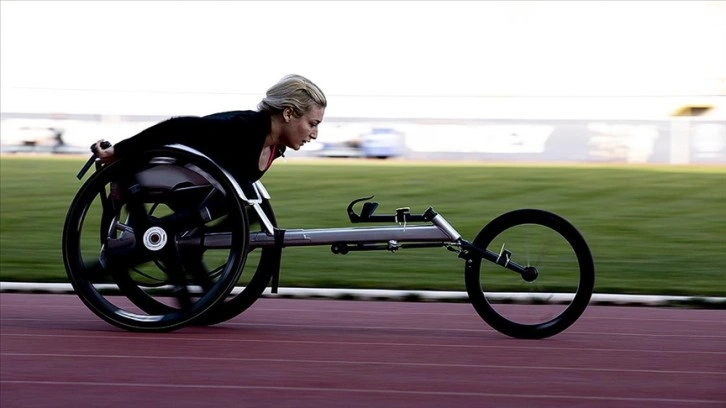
pixel 630 82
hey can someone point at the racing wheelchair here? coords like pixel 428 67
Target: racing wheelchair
pixel 168 239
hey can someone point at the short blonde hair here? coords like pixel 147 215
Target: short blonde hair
pixel 293 91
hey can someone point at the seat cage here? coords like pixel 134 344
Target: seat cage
pixel 251 193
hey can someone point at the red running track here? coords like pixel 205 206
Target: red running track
pixel 335 353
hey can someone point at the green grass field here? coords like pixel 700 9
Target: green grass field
pixel 654 230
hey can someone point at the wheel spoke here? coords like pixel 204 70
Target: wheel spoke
pixel 112 234
pixel 95 272
pixel 261 263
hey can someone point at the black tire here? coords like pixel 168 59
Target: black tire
pixel 250 289
pixel 147 209
pixel 552 301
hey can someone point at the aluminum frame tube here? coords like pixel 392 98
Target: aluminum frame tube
pixel 328 236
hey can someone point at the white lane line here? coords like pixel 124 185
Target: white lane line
pixel 400 328
pixel 365 362
pixel 260 310
pixel 147 338
pixel 486 329
pixel 257 315
pixel 370 391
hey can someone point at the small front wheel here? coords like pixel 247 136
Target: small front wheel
pixel 552 288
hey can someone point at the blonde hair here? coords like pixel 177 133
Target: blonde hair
pixel 293 91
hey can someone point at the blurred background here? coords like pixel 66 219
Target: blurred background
pixel 620 82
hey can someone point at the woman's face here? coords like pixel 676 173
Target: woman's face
pixel 296 131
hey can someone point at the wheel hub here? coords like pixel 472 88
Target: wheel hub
pixel 155 238
pixel 530 274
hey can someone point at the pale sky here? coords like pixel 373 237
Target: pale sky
pixel 195 51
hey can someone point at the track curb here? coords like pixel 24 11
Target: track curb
pixel 407 295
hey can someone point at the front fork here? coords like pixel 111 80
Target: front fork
pixel 471 253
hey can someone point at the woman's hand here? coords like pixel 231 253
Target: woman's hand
pixel 105 155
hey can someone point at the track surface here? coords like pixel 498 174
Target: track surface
pixel 333 353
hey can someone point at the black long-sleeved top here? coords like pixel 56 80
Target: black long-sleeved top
pixel 234 140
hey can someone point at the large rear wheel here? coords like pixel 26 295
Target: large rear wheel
pixel 264 261
pixel 131 229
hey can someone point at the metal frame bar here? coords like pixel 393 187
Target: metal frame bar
pixel 329 236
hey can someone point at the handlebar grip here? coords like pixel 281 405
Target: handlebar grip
pixel 104 145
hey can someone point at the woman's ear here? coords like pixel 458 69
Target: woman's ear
pixel 287 114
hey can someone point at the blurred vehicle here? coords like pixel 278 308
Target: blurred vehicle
pixel 377 142
pixel 33 135
pixel 382 143
pixel 65 135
